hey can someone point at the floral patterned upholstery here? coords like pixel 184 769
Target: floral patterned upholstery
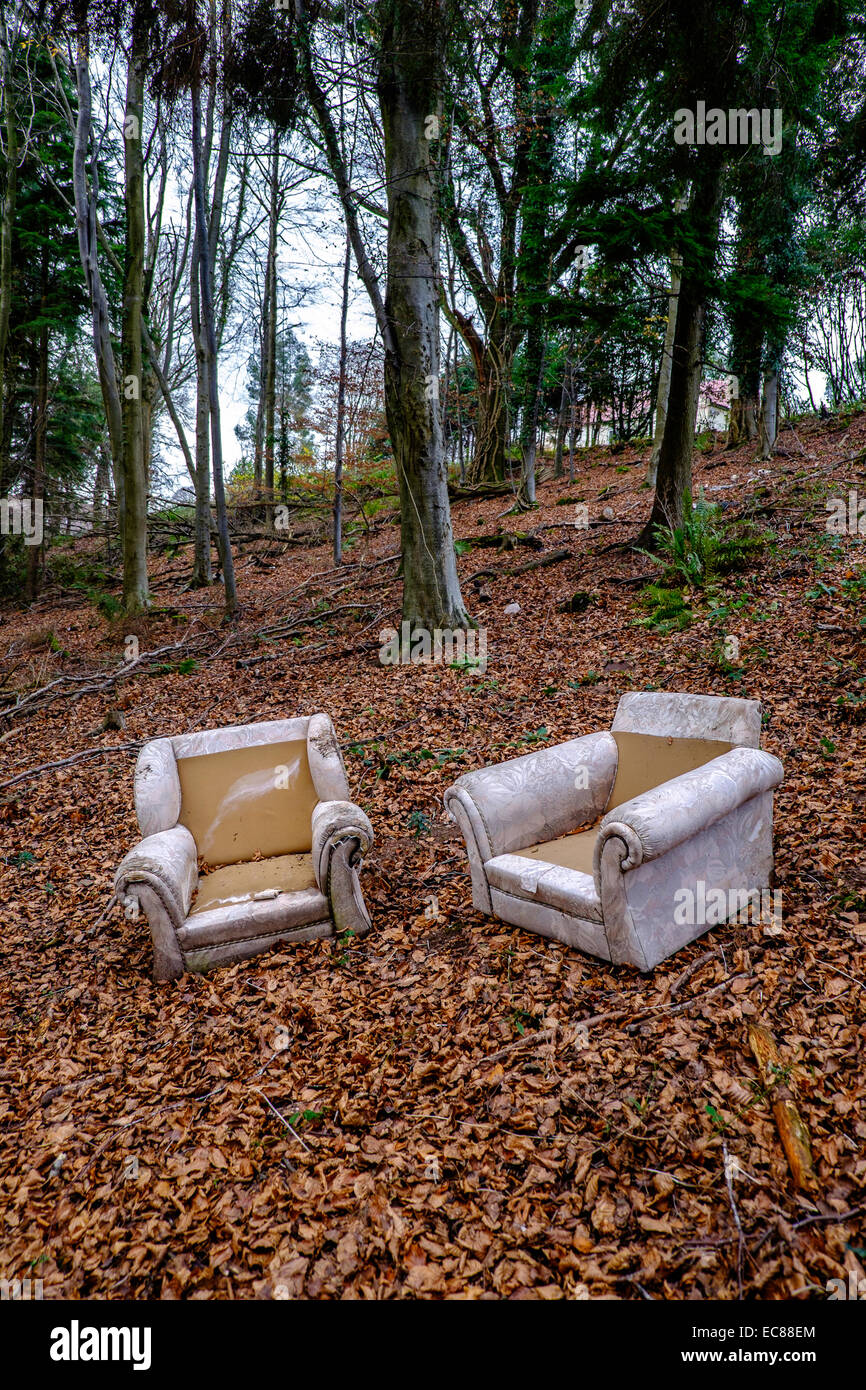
pixel 547 851
pixel 268 805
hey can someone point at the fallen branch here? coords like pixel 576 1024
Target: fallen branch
pixel 691 970
pixel 530 1040
pixel 555 557
pixel 791 1127
pixel 67 762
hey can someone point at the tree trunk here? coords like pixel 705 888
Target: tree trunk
pixel 259 438
pixel 271 341
pixel 135 586
pixel 7 225
pixel 101 487
pixel 770 412
pixel 491 440
pixel 85 217
pixel 674 478
pixel 561 428
pixel 341 411
pixel 535 351
pixel 574 429
pixel 209 327
pixel 665 369
pixel 40 430
pixel 202 572
pixel 492 373
pixel 410 81
pixel 747 343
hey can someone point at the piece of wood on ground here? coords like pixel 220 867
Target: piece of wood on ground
pixel 789 1122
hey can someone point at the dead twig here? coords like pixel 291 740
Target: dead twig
pixel 692 969
pixel 67 762
pixel 741 1240
pixel 294 1133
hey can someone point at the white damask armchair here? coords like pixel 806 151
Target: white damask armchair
pixel 598 842
pixel 267 805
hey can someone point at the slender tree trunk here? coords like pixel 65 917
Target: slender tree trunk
pixel 747 342
pixel 341 411
pixel 665 369
pixel 202 571
pixel 770 412
pixel 209 328
pixel 100 488
pixel 135 585
pixel 40 431
pixel 259 440
pixel 535 352
pixel 410 82
pixel 575 422
pixel 271 368
pixel 85 215
pixel 561 429
pixel 7 225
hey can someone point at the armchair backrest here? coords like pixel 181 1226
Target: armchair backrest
pixel 241 791
pixel 660 735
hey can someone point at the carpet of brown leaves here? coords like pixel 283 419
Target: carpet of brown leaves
pixel 139 1158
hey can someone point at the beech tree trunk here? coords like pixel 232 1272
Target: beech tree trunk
pixel 134 539
pixel 410 80
pixel 409 84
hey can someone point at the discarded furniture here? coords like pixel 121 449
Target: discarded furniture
pixel 265 804
pixel 601 842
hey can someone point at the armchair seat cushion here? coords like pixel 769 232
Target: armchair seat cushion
pixel 258 879
pixel 557 885
pixel 570 851
pixel 254 919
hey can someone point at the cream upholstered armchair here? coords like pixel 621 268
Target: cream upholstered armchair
pixel 599 842
pixel 266 803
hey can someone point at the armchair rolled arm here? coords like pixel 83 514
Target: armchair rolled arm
pixel 336 823
pixel 660 819
pixel 342 834
pixel 166 864
pixel 537 797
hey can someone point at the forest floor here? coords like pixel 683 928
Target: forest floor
pixel 459 1135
